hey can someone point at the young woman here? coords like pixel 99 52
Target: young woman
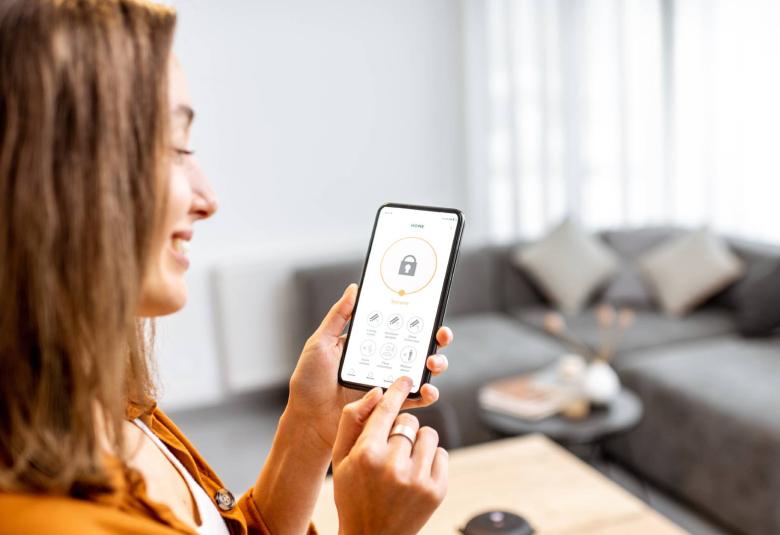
pixel 98 196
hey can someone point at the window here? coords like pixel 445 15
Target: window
pixel 632 112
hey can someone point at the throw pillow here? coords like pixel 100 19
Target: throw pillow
pixel 758 304
pixel 687 270
pixel 568 264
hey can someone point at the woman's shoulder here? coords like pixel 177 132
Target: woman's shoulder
pixel 31 513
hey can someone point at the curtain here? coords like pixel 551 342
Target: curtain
pixel 631 113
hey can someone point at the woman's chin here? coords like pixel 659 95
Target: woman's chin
pixel 163 301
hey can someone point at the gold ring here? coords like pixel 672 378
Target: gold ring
pixel 405 431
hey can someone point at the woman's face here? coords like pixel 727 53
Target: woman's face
pixel 189 199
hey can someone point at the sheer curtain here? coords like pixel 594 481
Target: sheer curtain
pixel 632 112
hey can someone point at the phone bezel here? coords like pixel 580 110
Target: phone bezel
pixel 445 293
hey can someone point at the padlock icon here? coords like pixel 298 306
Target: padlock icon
pixel 408 266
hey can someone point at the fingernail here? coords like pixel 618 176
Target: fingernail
pixel 373 393
pixel 438 361
pixel 406 381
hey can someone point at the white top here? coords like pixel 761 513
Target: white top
pixel 211 521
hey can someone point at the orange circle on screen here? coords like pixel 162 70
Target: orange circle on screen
pixel 401 291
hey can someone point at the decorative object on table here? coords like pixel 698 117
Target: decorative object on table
pixel 599 382
pixel 497 523
pixel 571 384
pixel 571 368
pixel 577 409
pixel 532 396
pixel 612 322
pixel 600 385
pixel 569 265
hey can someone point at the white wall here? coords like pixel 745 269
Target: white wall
pixel 310 114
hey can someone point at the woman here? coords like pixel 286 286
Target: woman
pixel 99 195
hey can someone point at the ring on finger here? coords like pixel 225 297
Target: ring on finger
pixel 405 431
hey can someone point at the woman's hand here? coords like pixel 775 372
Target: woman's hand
pixel 316 397
pixel 383 483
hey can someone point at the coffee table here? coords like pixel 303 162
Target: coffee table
pixel 533 477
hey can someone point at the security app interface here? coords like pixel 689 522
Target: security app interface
pixel 395 317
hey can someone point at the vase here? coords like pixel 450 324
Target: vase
pixel 570 369
pixel 600 384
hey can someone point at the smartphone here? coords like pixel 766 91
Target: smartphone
pixel 402 296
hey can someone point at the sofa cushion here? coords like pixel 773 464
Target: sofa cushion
pixel 650 328
pixel 488 346
pixel 686 271
pixel 568 264
pixel 758 305
pixel 758 259
pixel 710 432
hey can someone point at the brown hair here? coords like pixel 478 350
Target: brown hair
pixel 83 145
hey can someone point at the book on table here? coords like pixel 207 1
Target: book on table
pixel 532 396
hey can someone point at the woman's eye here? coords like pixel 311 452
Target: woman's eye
pixel 180 154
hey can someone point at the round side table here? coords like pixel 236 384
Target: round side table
pixel 619 416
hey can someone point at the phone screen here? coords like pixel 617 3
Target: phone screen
pixel 401 296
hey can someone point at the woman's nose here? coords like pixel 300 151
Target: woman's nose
pixel 204 200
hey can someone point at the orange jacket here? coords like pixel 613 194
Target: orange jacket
pixel 129 509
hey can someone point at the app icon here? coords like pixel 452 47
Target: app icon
pixel 374 319
pixel 395 322
pixel 388 351
pixel 368 347
pixel 415 325
pixel 408 354
pixel 408 266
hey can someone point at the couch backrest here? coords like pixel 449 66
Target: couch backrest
pixel 318 287
pixel 485 279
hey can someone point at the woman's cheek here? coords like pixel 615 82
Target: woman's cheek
pixel 179 197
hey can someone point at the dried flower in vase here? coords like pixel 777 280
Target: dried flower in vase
pixel 612 325
pixel 555 324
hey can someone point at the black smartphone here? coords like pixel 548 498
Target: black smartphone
pixel 402 296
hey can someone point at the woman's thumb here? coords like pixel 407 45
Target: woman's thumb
pixel 339 314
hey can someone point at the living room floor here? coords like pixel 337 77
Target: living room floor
pixel 235 439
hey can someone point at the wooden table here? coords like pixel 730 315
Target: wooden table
pixel 531 476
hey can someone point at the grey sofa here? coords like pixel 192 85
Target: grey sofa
pixel 711 430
